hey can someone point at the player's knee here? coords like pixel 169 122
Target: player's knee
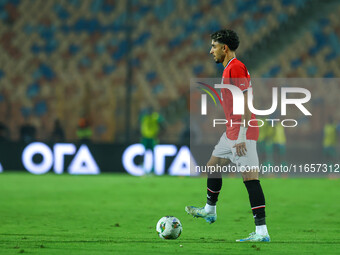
pixel 213 168
pixel 249 176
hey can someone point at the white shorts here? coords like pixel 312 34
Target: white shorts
pixel 224 149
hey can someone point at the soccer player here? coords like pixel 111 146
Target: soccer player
pixel 151 125
pixel 238 143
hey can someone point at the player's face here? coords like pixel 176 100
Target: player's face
pixel 218 51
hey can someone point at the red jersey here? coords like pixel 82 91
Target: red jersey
pixel 236 73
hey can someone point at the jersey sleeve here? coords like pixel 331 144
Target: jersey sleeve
pixel 240 77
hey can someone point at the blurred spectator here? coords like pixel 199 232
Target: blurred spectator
pixel 265 142
pixel 151 125
pixel 84 131
pixel 58 134
pixel 28 132
pixel 279 143
pixel 330 140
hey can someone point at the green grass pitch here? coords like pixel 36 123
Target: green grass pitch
pixel 117 214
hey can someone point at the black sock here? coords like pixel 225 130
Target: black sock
pixel 257 201
pixel 214 185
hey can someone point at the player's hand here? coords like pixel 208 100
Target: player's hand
pixel 241 149
pixel 240 144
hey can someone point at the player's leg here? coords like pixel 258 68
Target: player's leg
pixel 214 185
pixel 250 177
pixel 153 142
pixel 149 144
pixel 214 181
pixel 256 199
pixel 220 157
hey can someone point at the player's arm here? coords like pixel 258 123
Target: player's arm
pixel 243 83
pixel 242 135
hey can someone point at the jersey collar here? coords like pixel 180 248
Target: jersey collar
pixel 229 62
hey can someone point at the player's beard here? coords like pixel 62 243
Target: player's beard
pixel 218 60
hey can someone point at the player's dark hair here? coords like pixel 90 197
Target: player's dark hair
pixel 228 37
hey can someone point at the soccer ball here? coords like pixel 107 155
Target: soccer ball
pixel 169 227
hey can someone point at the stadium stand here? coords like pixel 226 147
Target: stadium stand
pixel 69 59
